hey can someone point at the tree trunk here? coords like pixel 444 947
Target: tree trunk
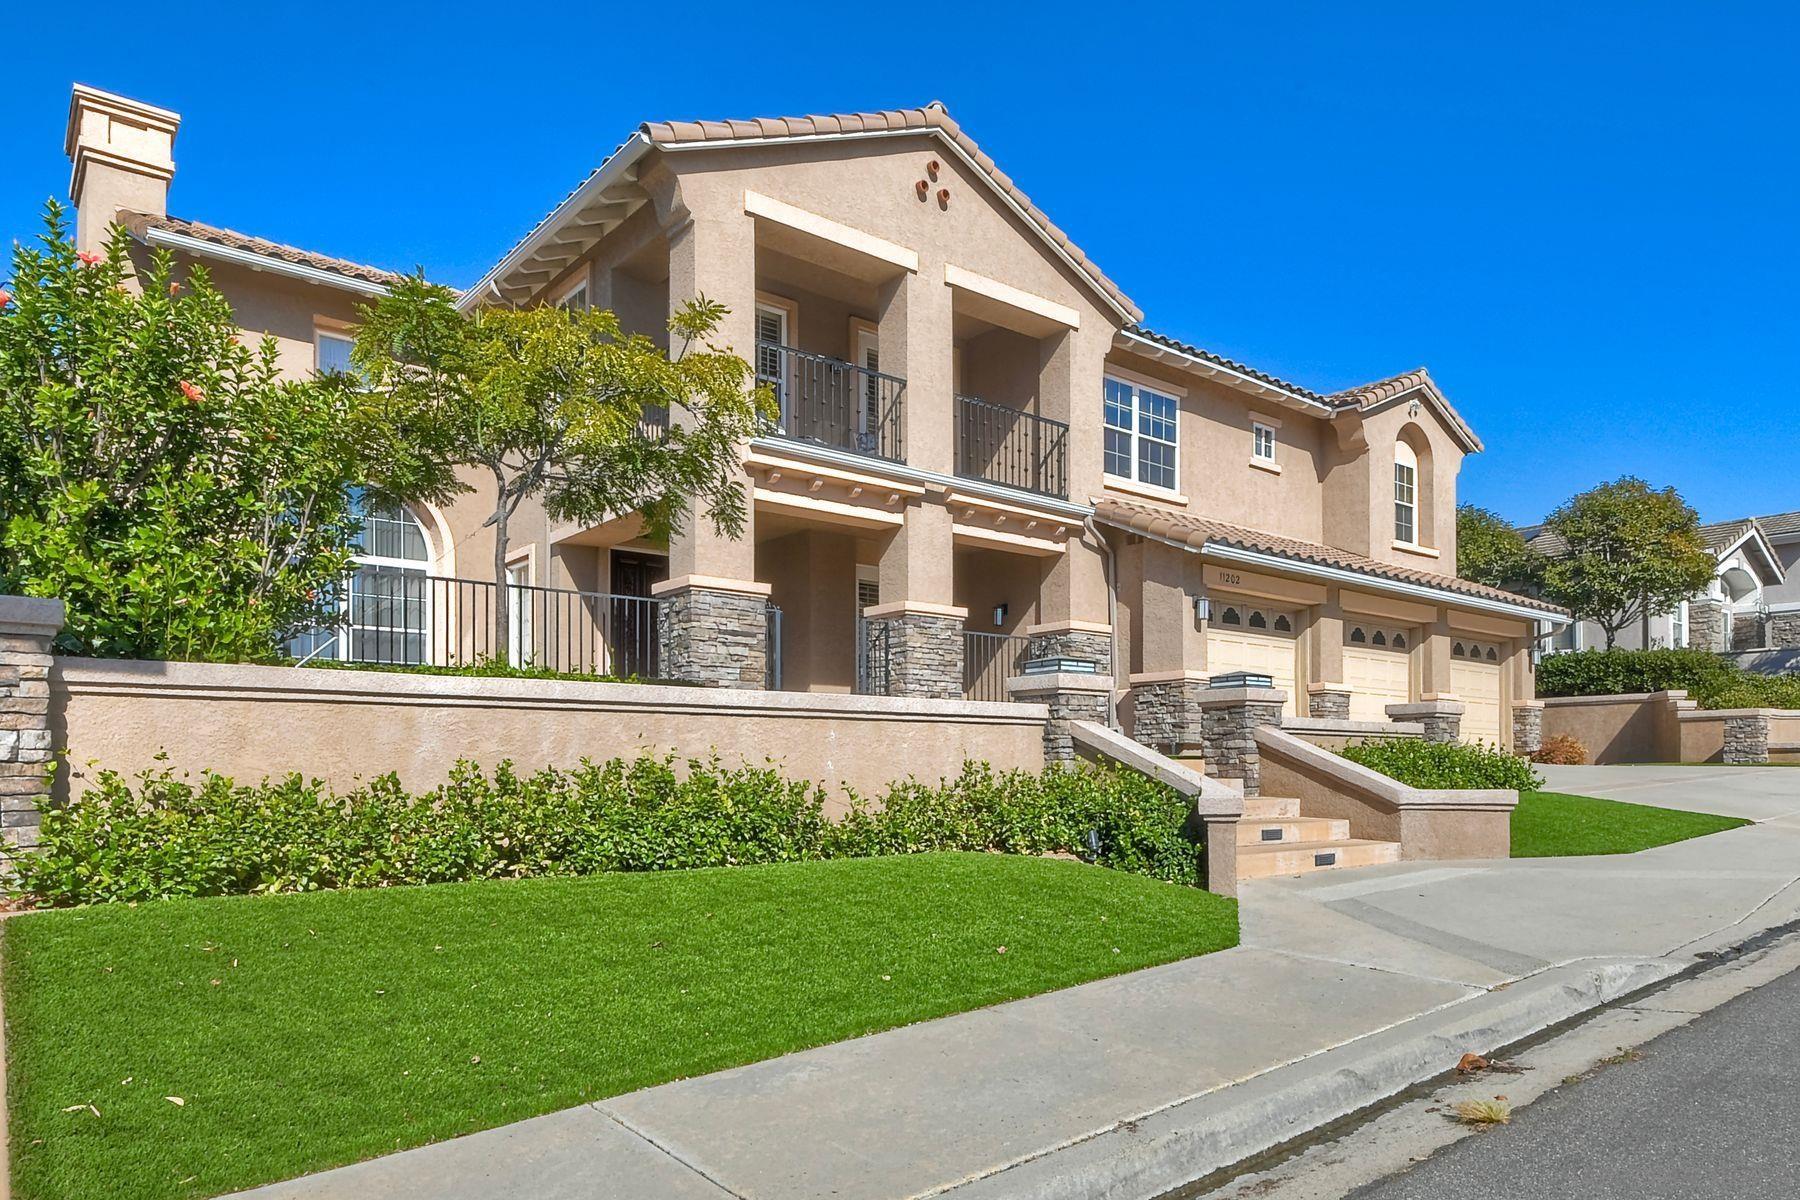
pixel 502 593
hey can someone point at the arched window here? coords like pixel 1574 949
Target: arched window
pixel 1258 621
pixel 1380 638
pixel 1492 656
pixel 1406 493
pixel 1358 636
pixel 386 601
pixel 1283 624
pixel 1457 651
pixel 1399 641
pixel 1231 617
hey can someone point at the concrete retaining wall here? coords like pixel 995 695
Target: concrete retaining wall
pixel 1651 727
pixel 344 726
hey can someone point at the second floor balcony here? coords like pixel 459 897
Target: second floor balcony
pixel 839 404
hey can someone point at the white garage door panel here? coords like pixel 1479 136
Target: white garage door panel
pixel 1234 650
pixel 1478 684
pixel 1377 678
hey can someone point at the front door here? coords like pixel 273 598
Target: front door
pixel 631 627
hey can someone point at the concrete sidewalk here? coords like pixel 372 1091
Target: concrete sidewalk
pixel 1349 987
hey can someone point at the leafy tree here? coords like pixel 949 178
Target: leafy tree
pixel 1489 550
pixel 1632 551
pixel 157 474
pixel 562 405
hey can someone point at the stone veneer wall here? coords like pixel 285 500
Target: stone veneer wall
pixel 1331 704
pixel 1442 719
pixel 1747 739
pixel 1747 631
pixel 1527 728
pixel 1228 721
pixel 1166 714
pixel 1068 697
pixel 1784 630
pixel 27 627
pixel 716 638
pixel 1706 624
pixel 924 655
pixel 1084 644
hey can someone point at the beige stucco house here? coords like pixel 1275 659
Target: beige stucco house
pixel 984 457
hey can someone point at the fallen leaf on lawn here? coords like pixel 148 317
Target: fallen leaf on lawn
pixel 177 1101
pixel 79 1107
pixel 126 1080
pixel 475 1059
pixel 1000 950
pixel 215 983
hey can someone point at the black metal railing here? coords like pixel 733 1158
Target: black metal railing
pixel 405 617
pixel 872 642
pixel 1011 447
pixel 989 660
pixel 835 403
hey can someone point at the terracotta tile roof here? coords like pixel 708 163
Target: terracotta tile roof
pixel 934 117
pixel 1229 364
pixel 1367 394
pixel 1781 525
pixel 140 224
pixel 1721 534
pixel 1198 532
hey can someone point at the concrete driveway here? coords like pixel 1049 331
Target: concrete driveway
pixel 1755 793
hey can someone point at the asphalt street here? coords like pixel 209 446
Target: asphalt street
pixel 1710 1110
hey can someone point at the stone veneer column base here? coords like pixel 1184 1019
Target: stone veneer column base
pixel 1328 701
pixel 27 627
pixel 1442 719
pixel 1784 630
pixel 714 631
pixel 1527 727
pixel 1706 624
pixel 1070 697
pixel 1071 639
pixel 1228 721
pixel 1747 738
pixel 1166 711
pixel 924 646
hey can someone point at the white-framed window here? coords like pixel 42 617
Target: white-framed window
pixel 576 298
pixel 1566 638
pixel 1678 626
pixel 331 352
pixel 519 595
pixel 772 326
pixel 1262 442
pixel 1406 494
pixel 386 602
pixel 1141 433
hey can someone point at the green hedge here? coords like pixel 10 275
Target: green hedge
pixel 1423 764
pixel 160 836
pixel 1712 681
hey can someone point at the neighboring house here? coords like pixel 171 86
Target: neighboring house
pixel 1733 613
pixel 983 456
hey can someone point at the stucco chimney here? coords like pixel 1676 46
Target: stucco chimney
pixel 123 154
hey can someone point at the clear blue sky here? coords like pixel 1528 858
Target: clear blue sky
pixel 1582 218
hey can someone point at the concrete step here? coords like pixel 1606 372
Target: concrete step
pixel 1299 858
pixel 1288 830
pixel 1270 808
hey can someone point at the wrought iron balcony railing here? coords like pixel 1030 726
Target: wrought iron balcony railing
pixel 835 403
pixel 1011 447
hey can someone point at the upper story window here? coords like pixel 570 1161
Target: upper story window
pixel 575 299
pixel 331 352
pixel 1406 494
pixel 1678 622
pixel 1262 442
pixel 1140 434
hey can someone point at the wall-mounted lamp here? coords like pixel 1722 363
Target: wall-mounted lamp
pixel 1202 608
pixel 999 616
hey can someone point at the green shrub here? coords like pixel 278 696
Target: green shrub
pixel 1624 672
pixel 160 836
pixel 1433 765
pixel 1745 690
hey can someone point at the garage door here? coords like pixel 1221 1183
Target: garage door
pixel 1377 669
pixel 1243 637
pixel 1475 677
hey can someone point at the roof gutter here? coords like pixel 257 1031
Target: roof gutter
pixel 607 174
pixel 1260 385
pixel 258 262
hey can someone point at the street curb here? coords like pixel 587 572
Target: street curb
pixel 1172 1149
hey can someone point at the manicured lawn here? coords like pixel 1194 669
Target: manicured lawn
pixel 303 1032
pixel 1552 824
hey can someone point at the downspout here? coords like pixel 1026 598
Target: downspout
pixel 1112 621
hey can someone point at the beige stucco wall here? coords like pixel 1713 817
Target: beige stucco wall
pixel 254 722
pixel 1617 729
pixel 1359 486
